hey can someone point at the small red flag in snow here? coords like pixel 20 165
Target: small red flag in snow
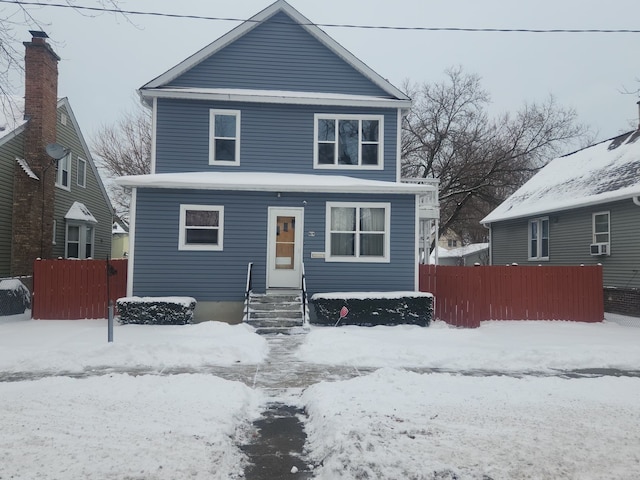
pixel 344 311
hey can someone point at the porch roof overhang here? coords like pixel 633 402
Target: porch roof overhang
pixel 271 182
pixel 274 96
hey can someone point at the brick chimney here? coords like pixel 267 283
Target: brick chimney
pixel 32 225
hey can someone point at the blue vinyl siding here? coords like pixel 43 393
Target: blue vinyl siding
pixel 278 55
pixel 161 269
pixel 273 138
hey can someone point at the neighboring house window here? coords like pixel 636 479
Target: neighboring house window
pixel 539 239
pixel 601 227
pixel 348 141
pixel 63 172
pixel 452 243
pixel 79 241
pixel 201 227
pixel 82 172
pixel 357 232
pixel 224 137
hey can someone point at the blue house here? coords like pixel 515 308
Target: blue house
pixel 276 147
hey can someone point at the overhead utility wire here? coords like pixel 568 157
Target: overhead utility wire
pixel 336 25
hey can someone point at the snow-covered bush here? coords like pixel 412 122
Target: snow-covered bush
pixel 156 310
pixel 15 298
pixel 373 308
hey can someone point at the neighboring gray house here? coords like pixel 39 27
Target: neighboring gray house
pixel 274 146
pixel 582 208
pixel 47 210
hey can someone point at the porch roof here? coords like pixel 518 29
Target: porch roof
pixel 271 182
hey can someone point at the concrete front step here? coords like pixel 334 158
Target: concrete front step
pixel 279 322
pixel 275 314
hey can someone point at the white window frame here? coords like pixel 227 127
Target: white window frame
pixel 608 233
pixel 182 235
pixel 360 118
pixel 64 164
pixel 537 256
pixel 84 170
pixel 82 239
pixel 212 138
pixel 386 258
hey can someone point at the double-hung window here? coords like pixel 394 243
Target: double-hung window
pixel 224 137
pixel 81 172
pixel 79 240
pixel 601 228
pixel 63 173
pixel 201 227
pixel 348 141
pixel 539 239
pixel 357 232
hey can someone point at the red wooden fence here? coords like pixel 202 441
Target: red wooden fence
pixel 76 289
pixel 466 296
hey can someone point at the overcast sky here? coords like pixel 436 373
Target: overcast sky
pixel 105 58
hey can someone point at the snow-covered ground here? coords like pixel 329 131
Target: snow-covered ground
pixel 385 425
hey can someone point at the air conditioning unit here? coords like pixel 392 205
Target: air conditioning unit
pixel 599 249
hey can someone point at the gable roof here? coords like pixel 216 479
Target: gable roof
pixel 247 26
pixel 87 153
pixel 604 172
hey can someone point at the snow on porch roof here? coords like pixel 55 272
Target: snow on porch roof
pixel 270 182
pixel 80 212
pixel 604 172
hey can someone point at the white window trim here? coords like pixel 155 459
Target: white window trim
pixel 386 258
pixel 82 238
pixel 593 228
pixel 332 116
pixel 182 245
pixel 538 256
pixel 212 126
pixel 64 160
pixel 84 179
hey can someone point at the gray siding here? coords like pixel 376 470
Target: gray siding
pixel 273 138
pixel 278 55
pixel 91 196
pixel 161 269
pixel 11 149
pixel 570 234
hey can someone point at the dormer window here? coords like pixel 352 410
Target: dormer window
pixel 348 141
pixel 224 137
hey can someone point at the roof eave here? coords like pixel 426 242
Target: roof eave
pixel 275 99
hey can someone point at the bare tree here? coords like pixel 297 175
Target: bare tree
pixel 124 149
pixel 15 19
pixel 479 160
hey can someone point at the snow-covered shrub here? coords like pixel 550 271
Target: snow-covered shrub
pixel 374 308
pixel 156 310
pixel 15 298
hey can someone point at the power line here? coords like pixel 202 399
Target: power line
pixel 335 25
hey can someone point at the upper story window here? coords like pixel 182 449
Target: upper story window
pixel 201 227
pixel 81 172
pixel 539 239
pixel 224 137
pixel 348 141
pixel 63 173
pixel 357 232
pixel 452 243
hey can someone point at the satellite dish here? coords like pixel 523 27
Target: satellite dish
pixel 56 151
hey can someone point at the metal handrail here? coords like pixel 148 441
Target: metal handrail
pixel 247 290
pixel 304 296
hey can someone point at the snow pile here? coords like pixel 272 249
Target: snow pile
pixel 119 426
pixel 512 346
pixel 397 424
pixel 77 345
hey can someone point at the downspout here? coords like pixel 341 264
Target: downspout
pixel 636 200
pixel 488 227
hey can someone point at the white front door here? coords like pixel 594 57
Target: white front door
pixel 284 248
